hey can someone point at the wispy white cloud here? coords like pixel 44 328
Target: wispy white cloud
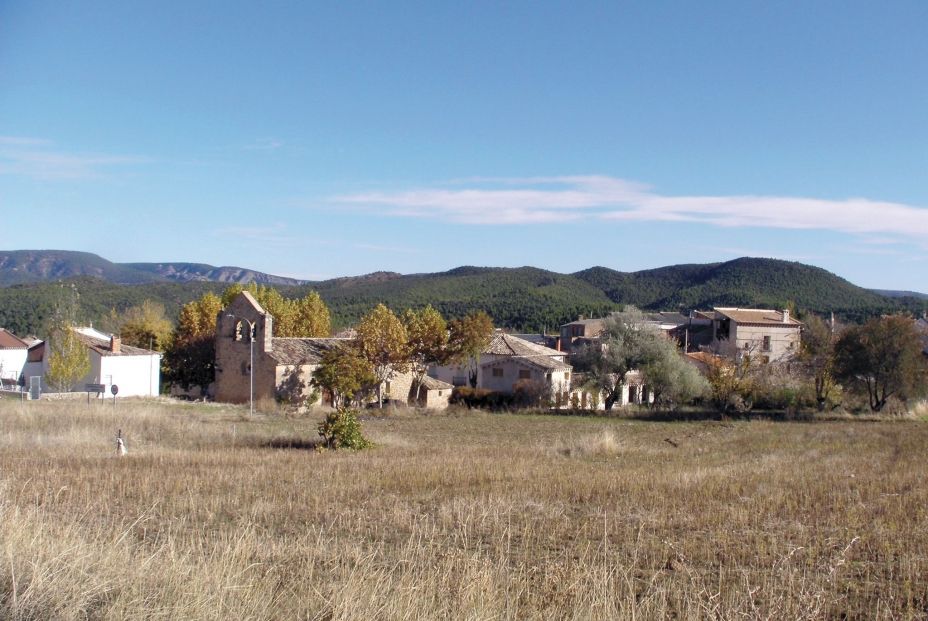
pixel 388 249
pixel 275 235
pixel 264 144
pixel 38 158
pixel 561 199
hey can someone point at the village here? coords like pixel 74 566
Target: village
pixel 567 370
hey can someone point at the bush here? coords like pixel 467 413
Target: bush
pixel 341 429
pixel 480 398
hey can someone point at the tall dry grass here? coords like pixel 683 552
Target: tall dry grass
pixel 214 515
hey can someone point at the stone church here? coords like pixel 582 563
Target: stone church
pixel 282 366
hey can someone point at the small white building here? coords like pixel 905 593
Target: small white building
pixel 13 354
pixel 135 371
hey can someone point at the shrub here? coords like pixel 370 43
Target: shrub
pixel 480 398
pixel 341 429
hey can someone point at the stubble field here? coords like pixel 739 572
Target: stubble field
pixel 458 516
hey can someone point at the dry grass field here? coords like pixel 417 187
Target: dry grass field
pixel 458 516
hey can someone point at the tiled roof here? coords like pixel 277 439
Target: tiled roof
pixel 509 345
pixel 8 340
pixel 585 322
pixel 666 317
pixel 302 350
pixel 546 363
pixel 757 316
pixel 102 347
pixel 430 383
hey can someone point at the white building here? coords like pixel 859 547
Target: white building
pixel 135 371
pixel 13 353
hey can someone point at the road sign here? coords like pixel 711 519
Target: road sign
pixel 114 389
pixel 98 388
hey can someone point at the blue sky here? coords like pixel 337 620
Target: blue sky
pixel 329 139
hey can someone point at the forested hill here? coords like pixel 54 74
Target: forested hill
pixel 524 298
pixel 742 282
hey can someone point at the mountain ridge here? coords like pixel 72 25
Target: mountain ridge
pixel 520 298
pixel 34 266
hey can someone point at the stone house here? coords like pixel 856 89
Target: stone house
pixel 772 335
pixel 579 332
pixel 434 394
pixel 283 366
pixel 509 362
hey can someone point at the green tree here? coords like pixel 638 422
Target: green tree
pixel 882 358
pixel 428 341
pixel 344 374
pixel 468 338
pixel 68 360
pixel 671 378
pixel 818 354
pixel 191 358
pixel 382 341
pixel 627 343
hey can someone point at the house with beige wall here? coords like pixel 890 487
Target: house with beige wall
pixel 508 362
pixel 772 335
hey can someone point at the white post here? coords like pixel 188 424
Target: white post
pixel 251 365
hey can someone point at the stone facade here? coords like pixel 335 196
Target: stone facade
pixel 509 360
pixel 283 367
pixel 771 335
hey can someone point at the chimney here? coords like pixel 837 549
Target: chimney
pixel 115 344
pixel 785 315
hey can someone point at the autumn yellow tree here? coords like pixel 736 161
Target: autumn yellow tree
pixel 306 317
pixel 145 325
pixel 312 317
pixel 68 359
pixel 382 341
pixel 468 338
pixel 191 358
pixel 427 332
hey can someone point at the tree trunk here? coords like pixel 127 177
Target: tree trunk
pixel 612 397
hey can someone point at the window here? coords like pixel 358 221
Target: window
pixel 766 343
pixel 459 380
pixel 439 393
pixel 525 374
pixel 497 372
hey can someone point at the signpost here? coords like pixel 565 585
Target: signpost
pixel 94 388
pixel 115 390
